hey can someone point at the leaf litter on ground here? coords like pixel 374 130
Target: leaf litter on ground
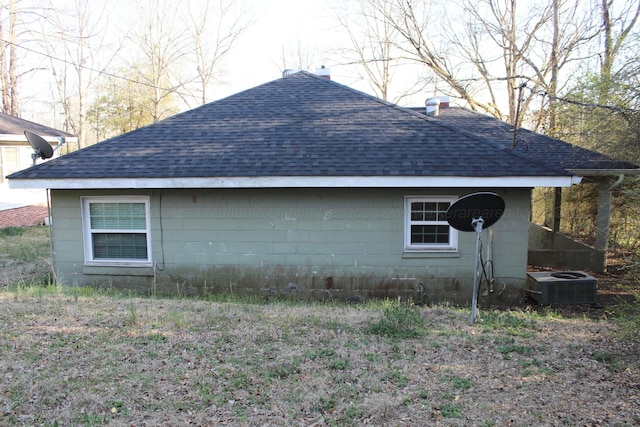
pixel 100 359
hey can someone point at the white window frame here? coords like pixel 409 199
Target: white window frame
pixel 451 246
pixel 89 258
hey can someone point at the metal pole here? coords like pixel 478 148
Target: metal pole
pixel 477 225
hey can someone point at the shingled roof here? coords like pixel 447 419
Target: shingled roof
pixel 299 130
pixel 535 145
pixel 12 128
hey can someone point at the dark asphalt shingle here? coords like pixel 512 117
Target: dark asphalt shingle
pixel 300 125
pixel 10 125
pixel 530 144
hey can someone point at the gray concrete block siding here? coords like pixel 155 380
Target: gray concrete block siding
pixel 252 194
pixel 316 243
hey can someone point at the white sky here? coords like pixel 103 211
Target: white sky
pixel 281 26
pixel 278 29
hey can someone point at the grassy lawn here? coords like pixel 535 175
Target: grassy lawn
pixel 76 356
pixel 80 358
pixel 25 255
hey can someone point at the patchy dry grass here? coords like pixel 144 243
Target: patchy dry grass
pixel 84 357
pixel 24 256
pixel 92 359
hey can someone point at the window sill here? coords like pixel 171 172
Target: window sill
pixel 431 254
pixel 116 269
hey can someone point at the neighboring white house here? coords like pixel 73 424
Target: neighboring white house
pixel 16 155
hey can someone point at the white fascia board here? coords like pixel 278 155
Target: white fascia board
pixel 299 182
pixel 22 138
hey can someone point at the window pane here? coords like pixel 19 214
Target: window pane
pixel 417 211
pixel 442 234
pixel 119 245
pixel 429 211
pixel 442 211
pixel 117 216
pixel 131 216
pixel 429 234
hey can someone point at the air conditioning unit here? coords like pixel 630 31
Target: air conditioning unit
pixel 562 287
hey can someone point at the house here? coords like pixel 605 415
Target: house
pixel 297 186
pixel 22 206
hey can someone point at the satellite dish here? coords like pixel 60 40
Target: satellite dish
pixel 462 214
pixel 471 213
pixel 42 148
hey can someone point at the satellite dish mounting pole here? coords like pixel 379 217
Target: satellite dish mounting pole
pixel 477 224
pixel 471 206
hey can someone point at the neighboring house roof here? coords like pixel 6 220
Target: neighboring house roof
pixel 12 137
pixel 12 130
pixel 535 145
pixel 298 131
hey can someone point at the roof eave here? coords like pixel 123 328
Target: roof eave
pixel 604 172
pixel 50 139
pixel 298 182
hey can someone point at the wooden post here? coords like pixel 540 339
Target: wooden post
pixel 603 219
pixel 557 209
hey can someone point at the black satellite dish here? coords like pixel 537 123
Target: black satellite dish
pixel 462 213
pixel 474 212
pixel 42 148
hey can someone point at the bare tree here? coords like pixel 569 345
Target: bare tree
pixel 213 34
pixel 466 52
pixel 416 27
pixel 78 48
pixel 161 46
pixel 168 43
pixel 373 45
pixel 614 38
pixel 298 56
pixel 18 34
pixel 535 47
pixel 615 27
pixel 496 26
pixel 8 58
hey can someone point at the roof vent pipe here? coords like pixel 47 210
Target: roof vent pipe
pixel 288 72
pixel 433 106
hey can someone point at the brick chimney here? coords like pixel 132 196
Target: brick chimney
pixel 324 72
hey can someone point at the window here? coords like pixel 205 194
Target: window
pixel 426 226
pixel 9 161
pixel 116 230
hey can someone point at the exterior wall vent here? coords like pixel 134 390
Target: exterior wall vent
pixel 562 287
